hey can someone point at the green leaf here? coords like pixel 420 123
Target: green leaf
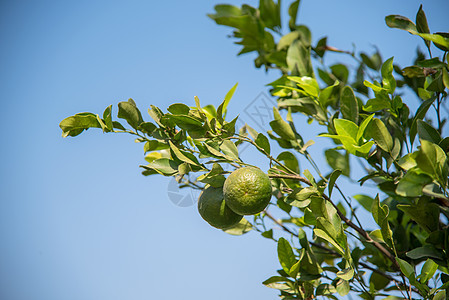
pixel 300 197
pixel 378 282
pixel 179 109
pixel 419 115
pixel 230 149
pixel 346 274
pixel 378 103
pixel 289 160
pixel 285 254
pixel 186 122
pixel 221 111
pixel 281 127
pixel 421 24
pixel 154 145
pixel 428 133
pixel 388 81
pixel 446 78
pixel 293 13
pixel 428 270
pixel 215 177
pixel 163 166
pixel 325 289
pixel 147 127
pixel 294 270
pixel 400 22
pixel 241 228
pixel 343 287
pixel 412 184
pixel 432 160
pixel 363 127
pixel 375 87
pixel 298 58
pixel 380 214
pixel 130 112
pixel 425 252
pixel 74 125
pixel 349 106
pixel 107 117
pixel 270 14
pixel 268 234
pixel 365 201
pixel 182 156
pixel 406 268
pixel 424 213
pixel 336 160
pixel 262 141
pixel 380 134
pixel 415 71
pixel 307 84
pixel 335 174
pixel 346 128
pixel 324 235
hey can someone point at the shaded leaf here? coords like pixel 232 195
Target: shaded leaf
pixel 130 112
pixel 241 228
pixel 348 105
pixel 262 141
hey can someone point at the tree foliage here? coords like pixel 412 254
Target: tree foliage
pixel 324 249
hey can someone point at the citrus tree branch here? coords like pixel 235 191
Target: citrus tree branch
pixel 348 222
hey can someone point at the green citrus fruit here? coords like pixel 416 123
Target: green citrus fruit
pixel 213 209
pixel 247 191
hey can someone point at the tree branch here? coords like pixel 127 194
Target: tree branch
pixel 348 222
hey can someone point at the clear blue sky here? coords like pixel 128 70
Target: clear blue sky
pixel 77 219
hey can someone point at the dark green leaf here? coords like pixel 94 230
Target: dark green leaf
pixel 400 22
pixel 107 117
pixel 388 81
pixel 241 228
pixel 423 213
pixel 130 112
pixel 298 59
pixel 425 252
pixel 179 109
pixel 343 287
pixel 406 268
pixel 164 166
pixel 349 106
pixel 378 282
pixel 380 134
pixel 147 127
pixel 412 183
pixel 335 174
pixel 281 127
pixel 419 115
pixel 427 132
pixel 74 125
pixel 380 214
pixel 428 270
pixel 268 234
pixel 289 160
pixel 262 141
pixel 336 160
pixel 221 111
pixel 365 201
pixel 154 145
pixel 293 13
pixel 285 255
pixel 181 156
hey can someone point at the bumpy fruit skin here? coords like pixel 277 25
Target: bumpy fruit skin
pixel 247 191
pixel 213 209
